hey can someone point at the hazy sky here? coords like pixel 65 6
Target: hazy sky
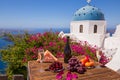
pixel 51 13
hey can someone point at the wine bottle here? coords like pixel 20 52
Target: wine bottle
pixel 67 51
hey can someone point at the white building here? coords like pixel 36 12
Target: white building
pixel 113 42
pixel 89 25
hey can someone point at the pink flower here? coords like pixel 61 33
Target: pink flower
pixel 74 76
pixel 38 35
pixel 64 39
pixel 59 55
pixel 59 75
pixel 103 59
pixel 40 47
pixel 24 59
pixel 52 44
pixel 34 37
pixel 59 39
pixel 71 76
pixel 58 46
pixel 34 57
pixel 45 34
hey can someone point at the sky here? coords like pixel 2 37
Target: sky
pixel 51 13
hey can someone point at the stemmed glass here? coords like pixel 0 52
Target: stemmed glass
pixel 41 56
pixel 98 57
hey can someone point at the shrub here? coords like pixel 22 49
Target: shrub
pixel 26 45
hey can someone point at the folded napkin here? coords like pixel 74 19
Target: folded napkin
pixel 49 57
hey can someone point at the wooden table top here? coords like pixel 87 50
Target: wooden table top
pixel 90 74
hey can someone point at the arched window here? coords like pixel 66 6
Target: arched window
pixel 95 28
pixel 81 29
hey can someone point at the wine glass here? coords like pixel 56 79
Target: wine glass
pixel 98 57
pixel 41 56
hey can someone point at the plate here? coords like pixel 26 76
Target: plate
pixel 90 67
pixel 59 70
pixel 56 71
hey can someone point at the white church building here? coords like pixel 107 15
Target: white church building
pixel 89 24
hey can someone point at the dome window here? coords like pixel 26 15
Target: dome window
pixel 93 9
pixel 83 8
pixel 91 13
pixel 95 28
pixel 84 14
pixel 79 14
pixel 81 29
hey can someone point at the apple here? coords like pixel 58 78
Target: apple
pixel 86 59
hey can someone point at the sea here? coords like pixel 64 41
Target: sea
pixel 4 43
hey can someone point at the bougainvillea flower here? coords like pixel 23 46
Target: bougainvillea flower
pixel 59 75
pixel 75 76
pixel 71 76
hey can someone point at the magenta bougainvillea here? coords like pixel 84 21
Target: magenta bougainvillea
pixel 26 47
pixel 50 41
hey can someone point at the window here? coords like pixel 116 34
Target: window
pixel 83 8
pixel 81 28
pixel 95 28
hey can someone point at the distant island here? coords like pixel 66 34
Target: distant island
pixel 5 31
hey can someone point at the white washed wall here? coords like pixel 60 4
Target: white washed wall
pixel 101 26
pixel 93 39
pixel 88 26
pixel 75 26
pixel 112 43
pixel 117 31
pixel 114 64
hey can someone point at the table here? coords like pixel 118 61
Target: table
pixel 91 74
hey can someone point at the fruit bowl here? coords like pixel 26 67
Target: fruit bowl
pixel 59 70
pixel 91 67
pixel 56 67
pixel 56 71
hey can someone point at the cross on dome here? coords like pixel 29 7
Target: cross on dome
pixel 88 1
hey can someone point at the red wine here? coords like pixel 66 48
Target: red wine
pixel 67 51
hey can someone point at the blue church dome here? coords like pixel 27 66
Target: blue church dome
pixel 88 13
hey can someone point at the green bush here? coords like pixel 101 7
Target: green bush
pixel 25 47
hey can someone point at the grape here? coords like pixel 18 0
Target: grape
pixel 76 66
pixel 73 61
pixel 71 68
pixel 80 70
pixel 56 66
